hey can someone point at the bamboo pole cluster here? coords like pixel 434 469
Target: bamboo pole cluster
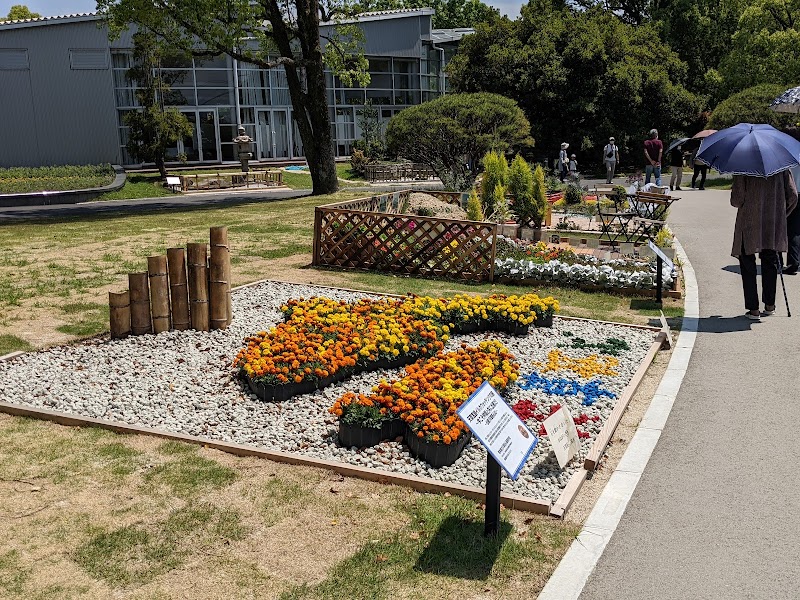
pixel 188 289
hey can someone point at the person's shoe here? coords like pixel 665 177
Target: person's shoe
pixel 678 188
pixel 790 270
pixel 768 311
pixel 753 315
pixel 670 188
pixel 701 188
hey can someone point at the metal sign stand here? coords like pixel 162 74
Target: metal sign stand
pixel 492 517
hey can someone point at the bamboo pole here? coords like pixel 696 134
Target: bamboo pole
pixel 198 285
pixel 159 292
pixel 140 303
pixel 178 288
pixel 119 309
pixel 217 280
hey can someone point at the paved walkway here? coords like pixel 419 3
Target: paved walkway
pixel 715 514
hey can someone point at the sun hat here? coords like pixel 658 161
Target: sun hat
pixel 611 139
pixel 572 156
pixel 564 145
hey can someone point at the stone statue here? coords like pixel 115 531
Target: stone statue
pixel 244 146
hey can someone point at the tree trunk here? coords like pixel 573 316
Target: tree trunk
pixel 310 106
pixel 162 168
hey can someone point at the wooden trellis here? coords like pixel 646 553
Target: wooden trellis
pixel 369 233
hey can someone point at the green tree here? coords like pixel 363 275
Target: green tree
pixel 539 197
pixel 700 31
pixel 453 132
pixel 579 76
pixel 495 173
pixel 268 34
pixel 765 47
pixel 20 12
pixel 500 211
pixel 153 128
pixel 449 13
pixel 474 210
pixel 751 106
pixel 520 186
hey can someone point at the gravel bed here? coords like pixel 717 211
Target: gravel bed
pixel 183 382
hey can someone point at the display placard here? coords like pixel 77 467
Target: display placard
pixel 659 252
pixel 563 435
pixel 498 428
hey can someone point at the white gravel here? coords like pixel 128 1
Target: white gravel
pixel 183 382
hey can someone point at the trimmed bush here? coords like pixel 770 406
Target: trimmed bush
pixel 495 173
pixel 474 210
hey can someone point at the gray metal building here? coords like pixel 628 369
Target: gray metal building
pixel 64 91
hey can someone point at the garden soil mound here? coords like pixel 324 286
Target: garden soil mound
pixel 440 208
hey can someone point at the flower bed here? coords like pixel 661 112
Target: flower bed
pixel 427 397
pixel 183 382
pixel 322 340
pixel 517 260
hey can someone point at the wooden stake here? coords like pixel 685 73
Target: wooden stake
pixel 140 303
pixel 217 280
pixel 198 285
pixel 119 309
pixel 159 292
pixel 178 288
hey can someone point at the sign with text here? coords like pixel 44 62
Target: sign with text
pixel 659 252
pixel 498 428
pixel 563 436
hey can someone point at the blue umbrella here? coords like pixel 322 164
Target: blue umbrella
pixel 747 149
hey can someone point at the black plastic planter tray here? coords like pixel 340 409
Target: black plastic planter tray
pixel 360 437
pixel 436 454
pixel 545 321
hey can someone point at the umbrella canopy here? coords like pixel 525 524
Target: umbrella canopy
pixel 674 143
pixel 787 102
pixel 747 149
pixel 694 142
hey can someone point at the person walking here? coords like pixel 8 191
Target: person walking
pixel 793 233
pixel 573 169
pixel 653 151
pixel 563 161
pixel 610 158
pixel 763 205
pixel 699 169
pixel 676 166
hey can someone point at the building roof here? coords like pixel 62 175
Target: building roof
pixel 382 15
pixel 57 20
pixel 443 36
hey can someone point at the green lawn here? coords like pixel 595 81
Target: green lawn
pixel 18 180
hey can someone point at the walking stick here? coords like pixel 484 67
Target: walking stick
pixel 783 284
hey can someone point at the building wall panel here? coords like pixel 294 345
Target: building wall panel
pixel 70 113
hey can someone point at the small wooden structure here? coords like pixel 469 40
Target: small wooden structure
pixel 171 296
pixel 373 233
pixel 221 181
pixel 398 172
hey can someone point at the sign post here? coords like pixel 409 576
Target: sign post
pixel 661 259
pixel 507 440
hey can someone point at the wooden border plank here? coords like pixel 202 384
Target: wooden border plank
pixel 610 426
pixel 569 493
pixel 420 484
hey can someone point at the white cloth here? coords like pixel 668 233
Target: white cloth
pixel 612 148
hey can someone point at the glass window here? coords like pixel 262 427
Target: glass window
pixel 406 82
pixel 121 60
pixel 248 115
pixel 380 96
pixel 255 97
pixel 177 78
pixel 125 97
pixel 402 65
pixel 227 133
pixel 225 115
pixel 228 152
pixel 278 78
pixel 380 81
pixel 350 97
pixel 209 78
pixel 281 97
pixel 179 97
pixel 251 78
pixel 211 62
pixel 210 97
pixel 121 78
pixel 407 97
pixel 380 65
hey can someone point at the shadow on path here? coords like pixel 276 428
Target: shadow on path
pixel 719 324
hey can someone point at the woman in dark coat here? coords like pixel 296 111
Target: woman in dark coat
pixel 763 204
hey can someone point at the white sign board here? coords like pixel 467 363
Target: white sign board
pixel 498 428
pixel 660 253
pixel 563 436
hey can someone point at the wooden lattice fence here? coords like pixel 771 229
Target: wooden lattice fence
pixel 398 172
pixel 371 233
